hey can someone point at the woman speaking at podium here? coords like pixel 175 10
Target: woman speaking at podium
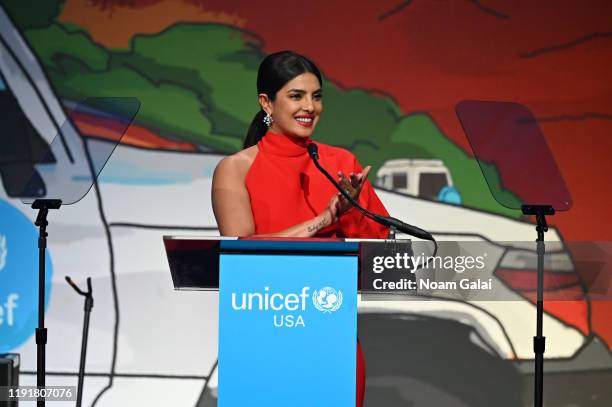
pixel 272 187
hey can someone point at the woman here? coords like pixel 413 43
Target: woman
pixel 272 188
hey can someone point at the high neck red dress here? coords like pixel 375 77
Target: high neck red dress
pixel 286 189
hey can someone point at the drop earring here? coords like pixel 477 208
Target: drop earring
pixel 268 120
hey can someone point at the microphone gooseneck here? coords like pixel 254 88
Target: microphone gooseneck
pixel 313 152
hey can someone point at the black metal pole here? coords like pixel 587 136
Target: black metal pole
pixel 87 308
pixel 539 340
pixel 43 206
pixel 41 331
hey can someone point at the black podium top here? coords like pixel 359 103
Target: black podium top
pixel 194 261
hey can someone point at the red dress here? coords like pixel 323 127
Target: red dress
pixel 286 189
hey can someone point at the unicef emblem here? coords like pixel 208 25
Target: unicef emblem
pixel 327 299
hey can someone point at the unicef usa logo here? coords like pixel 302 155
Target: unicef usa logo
pixel 289 310
pixel 327 299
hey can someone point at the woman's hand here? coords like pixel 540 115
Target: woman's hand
pixel 332 209
pixel 338 204
pixel 352 186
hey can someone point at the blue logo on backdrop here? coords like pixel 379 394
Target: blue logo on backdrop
pixel 19 277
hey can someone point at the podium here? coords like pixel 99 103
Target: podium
pixel 287 316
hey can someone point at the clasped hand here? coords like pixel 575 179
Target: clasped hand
pixel 339 204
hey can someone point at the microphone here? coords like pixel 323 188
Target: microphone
pixel 313 152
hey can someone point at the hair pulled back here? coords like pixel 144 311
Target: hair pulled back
pixel 274 72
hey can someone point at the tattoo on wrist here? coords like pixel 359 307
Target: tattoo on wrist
pixel 318 226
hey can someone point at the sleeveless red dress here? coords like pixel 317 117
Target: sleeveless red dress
pixel 286 189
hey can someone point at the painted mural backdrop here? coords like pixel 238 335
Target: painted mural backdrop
pixel 393 73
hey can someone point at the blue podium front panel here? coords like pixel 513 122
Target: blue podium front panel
pixel 287 330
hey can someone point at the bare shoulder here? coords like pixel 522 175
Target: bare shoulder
pixel 235 167
pixel 229 195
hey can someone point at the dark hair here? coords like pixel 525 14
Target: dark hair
pixel 274 72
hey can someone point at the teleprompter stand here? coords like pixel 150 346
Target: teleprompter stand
pixel 43 206
pixel 521 174
pixel 62 173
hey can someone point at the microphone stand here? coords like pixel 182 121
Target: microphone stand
pixel 388 221
pixel 539 341
pixel 88 306
pixel 43 206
